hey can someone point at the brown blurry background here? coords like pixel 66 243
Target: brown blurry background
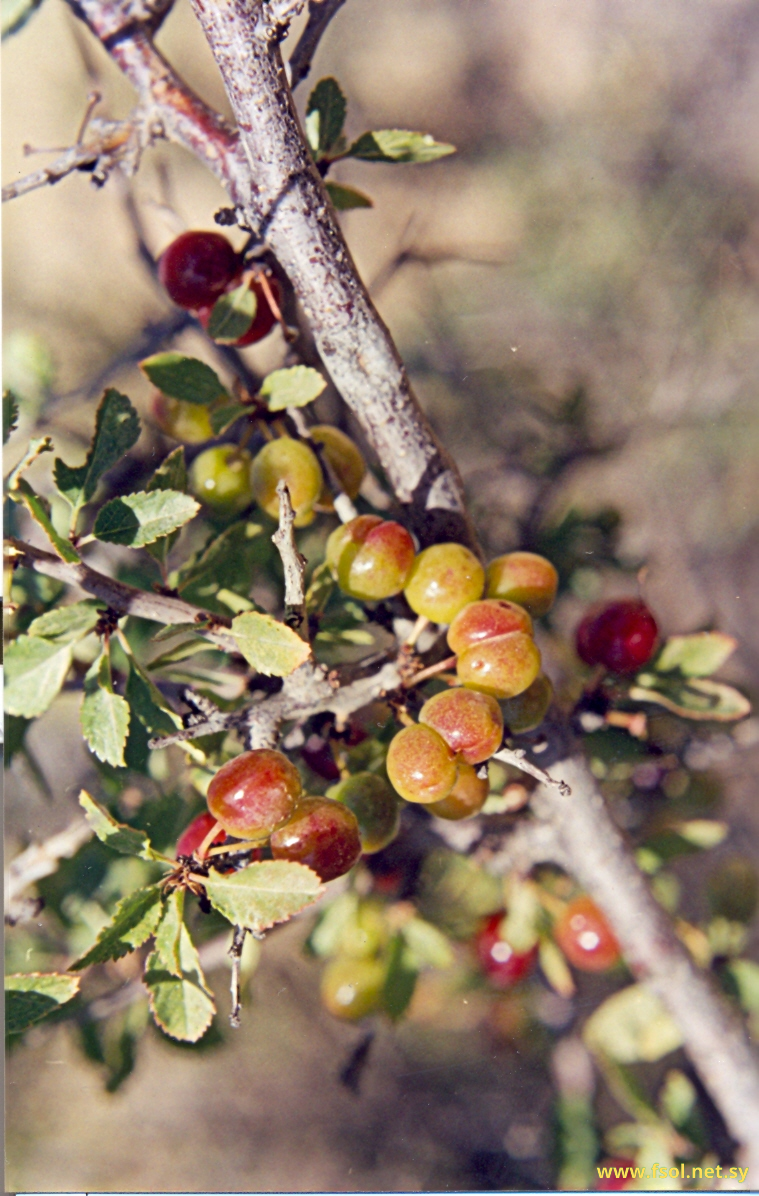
pixel 599 227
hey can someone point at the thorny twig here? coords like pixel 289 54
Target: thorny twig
pixel 293 564
pixel 320 13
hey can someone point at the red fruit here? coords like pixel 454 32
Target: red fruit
pixel 523 577
pixel 322 834
pixel 254 793
pixel 198 267
pixel 485 619
pixel 420 765
pixel 471 723
pixel 264 319
pixel 621 636
pixel 615 1183
pixel 503 666
pixel 193 835
pixel 318 756
pixel 585 937
pixel 371 558
pixel 503 965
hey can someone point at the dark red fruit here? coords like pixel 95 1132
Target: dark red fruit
pixel 197 268
pixel 322 834
pixel 503 965
pixel 318 756
pixel 193 835
pixel 621 636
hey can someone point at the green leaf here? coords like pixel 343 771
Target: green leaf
pixel 335 922
pixel 105 725
pixel 123 839
pixel 293 387
pixel 426 946
pixel 170 475
pixel 10 402
pixel 184 378
pixel 229 561
pixel 398 145
pixel 400 980
pixel 134 920
pixel 632 1026
pixel 15 14
pixel 182 1005
pixel 168 939
pixel 37 446
pixel 232 315
pixel 272 648
pixel 344 198
pixel 39 509
pixel 702 832
pixel 695 698
pixel 262 894
pixel 67 624
pixel 325 116
pixel 223 417
pixel 30 997
pixel 148 704
pixel 320 590
pixel 697 655
pixel 117 428
pixel 35 670
pixel 141 518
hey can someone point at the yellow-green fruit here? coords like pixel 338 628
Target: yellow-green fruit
pixel 420 765
pixel 527 711
pixel 525 578
pixel 189 423
pixel 344 457
pixel 220 479
pixel 444 579
pixel 352 988
pixel 467 797
pixel 375 806
pixel 503 666
pixel 297 464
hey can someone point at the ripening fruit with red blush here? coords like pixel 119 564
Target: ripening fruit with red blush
pixel 295 463
pixel 322 834
pixel 254 793
pixel 193 835
pixel 352 988
pixel 375 806
pixel 485 619
pixel 523 577
pixel 220 479
pixel 370 558
pixel 198 267
pixel 263 321
pixel 503 666
pixel 344 457
pixel 189 423
pixel 585 937
pixel 621 636
pixel 420 765
pixel 503 965
pixel 470 723
pixel 467 797
pixel 445 578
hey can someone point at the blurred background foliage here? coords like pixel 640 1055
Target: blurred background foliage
pixel 575 295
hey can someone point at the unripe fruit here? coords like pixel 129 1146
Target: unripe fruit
pixel 198 267
pixel 322 834
pixel 254 793
pixel 352 988
pixel 470 723
pixel 193 835
pixel 220 479
pixel 502 963
pixel 420 765
pixel 263 321
pixel 344 457
pixel 297 464
pixel 503 667
pixel 527 711
pixel 523 577
pixel 485 619
pixel 371 558
pixel 467 797
pixel 620 636
pixel 375 806
pixel 585 937
pixel 188 422
pixel 445 578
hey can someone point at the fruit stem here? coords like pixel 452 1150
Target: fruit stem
pixel 233 848
pixel 432 671
pixel 416 631
pixel 202 851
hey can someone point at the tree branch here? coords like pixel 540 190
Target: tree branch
pixel 320 13
pixel 38 860
pixel 293 564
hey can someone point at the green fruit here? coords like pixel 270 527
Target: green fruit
pixel 220 479
pixel 295 463
pixel 503 667
pixel 344 457
pixel 188 422
pixel 352 988
pixel 445 578
pixel 523 577
pixel 375 805
pixel 467 797
pixel 527 711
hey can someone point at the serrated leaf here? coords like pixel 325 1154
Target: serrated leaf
pixel 292 387
pixel 15 14
pixel 232 315
pixel 117 428
pixel 105 725
pixel 400 980
pixel 10 402
pixel 272 648
pixel 697 655
pixel 229 561
pixel 182 1004
pixel 39 509
pixel 426 946
pixel 184 378
pixel 67 624
pixel 695 698
pixel 325 115
pixel 263 894
pixel 124 839
pixel 398 145
pixel 134 920
pixel 344 198
pixel 168 939
pixel 30 997
pixel 148 704
pixel 141 518
pixel 35 670
pixel 632 1026
pixel 170 475
pixel 223 417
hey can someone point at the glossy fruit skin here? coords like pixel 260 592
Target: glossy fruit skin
pixel 470 723
pixel 344 457
pixel 503 666
pixel 189 423
pixel 193 835
pixel 467 797
pixel 523 577
pixel 485 619
pixel 254 793
pixel 370 558
pixel 263 321
pixel 352 988
pixel 585 937
pixel 445 578
pixel 219 478
pixel 420 765
pixel 297 464
pixel 375 806
pixel 322 834
pixel 502 964
pixel 527 711
pixel 198 267
pixel 621 636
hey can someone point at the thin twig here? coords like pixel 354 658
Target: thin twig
pixel 38 860
pixel 235 954
pixel 293 564
pixel 320 13
pixel 518 758
pixel 110 143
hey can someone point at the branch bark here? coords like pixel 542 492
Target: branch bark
pixel 320 13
